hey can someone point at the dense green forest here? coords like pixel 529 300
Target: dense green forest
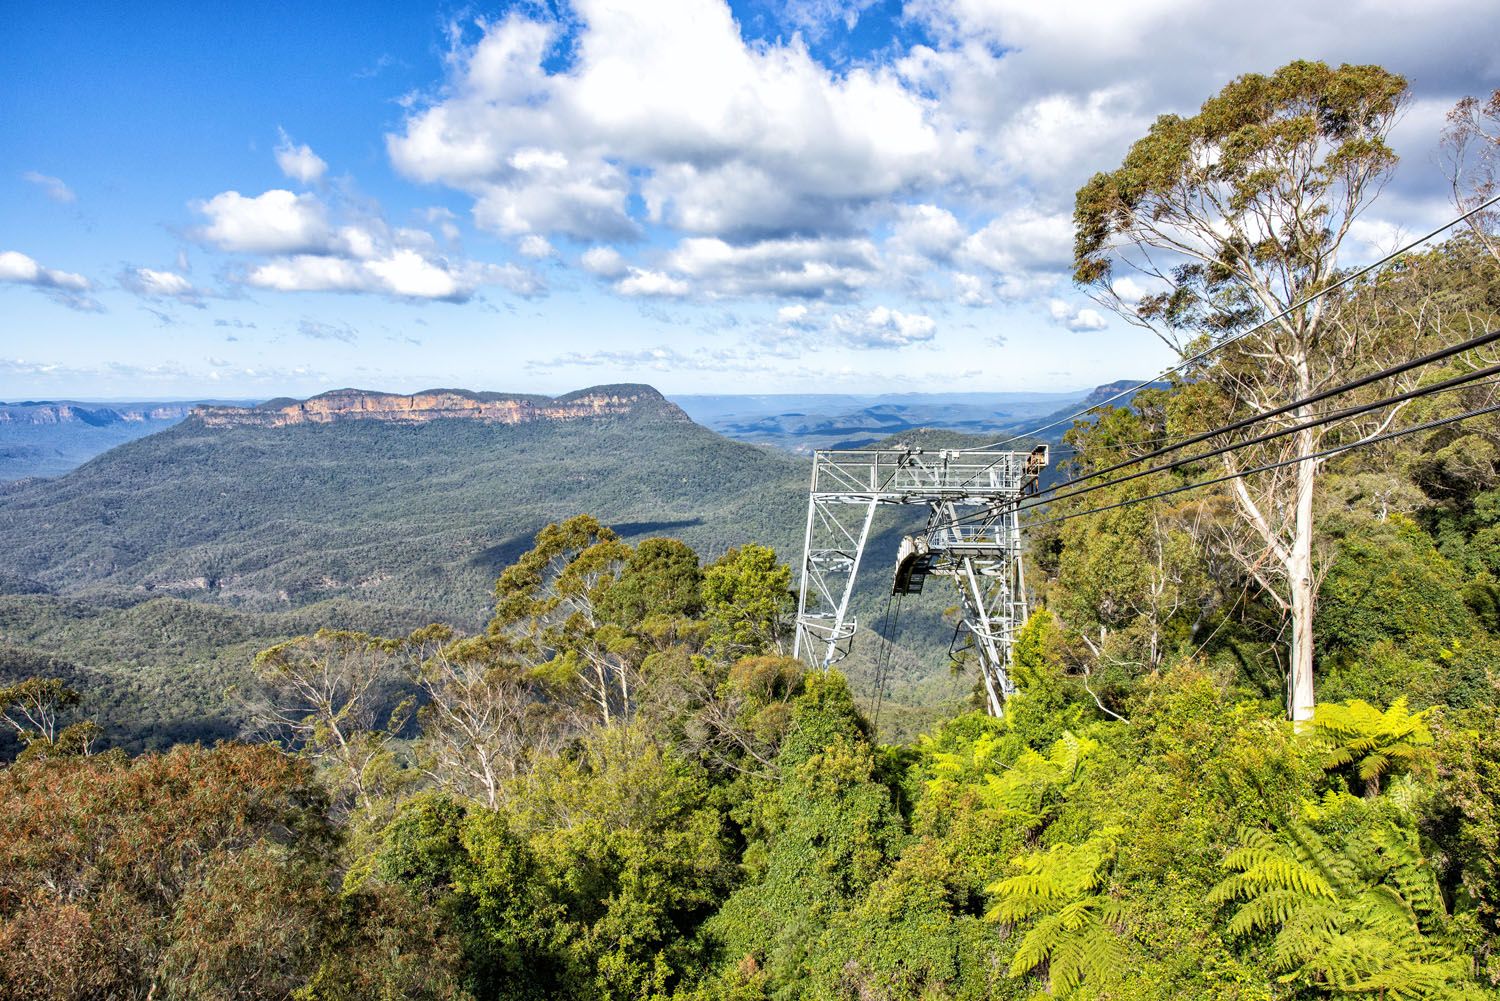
pixel 156 571
pixel 619 785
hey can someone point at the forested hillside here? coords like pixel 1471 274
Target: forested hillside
pixel 1254 751
pixel 153 573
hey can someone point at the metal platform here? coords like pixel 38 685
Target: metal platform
pixel 982 555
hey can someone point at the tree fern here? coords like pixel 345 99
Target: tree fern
pixel 1365 919
pixel 1075 922
pixel 1374 742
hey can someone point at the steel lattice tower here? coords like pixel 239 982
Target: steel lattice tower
pixel 973 537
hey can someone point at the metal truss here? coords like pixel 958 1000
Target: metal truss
pixel 973 537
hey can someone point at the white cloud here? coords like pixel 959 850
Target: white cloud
pixel 153 284
pixel 725 138
pixel 808 269
pixel 604 262
pixel 320 331
pixel 883 327
pixel 796 315
pixel 52 187
pixel 299 163
pixel 971 289
pixel 1065 314
pixel 640 282
pixel 621 120
pixel 401 273
pixel 69 289
pixel 536 246
pixel 927 230
pixel 443 218
pixel 309 253
pixel 1023 240
pixel 408 273
pixel 814 18
pixel 276 222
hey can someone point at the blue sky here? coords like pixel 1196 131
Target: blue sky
pixel 797 196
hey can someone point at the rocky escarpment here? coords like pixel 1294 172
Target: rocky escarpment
pixel 51 412
pixel 443 404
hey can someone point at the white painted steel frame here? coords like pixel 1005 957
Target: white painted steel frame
pixel 982 557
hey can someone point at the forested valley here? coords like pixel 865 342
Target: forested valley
pixel 623 786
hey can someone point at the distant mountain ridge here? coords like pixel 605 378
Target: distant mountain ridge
pixel 50 437
pixel 32 412
pixel 444 404
pixel 1119 393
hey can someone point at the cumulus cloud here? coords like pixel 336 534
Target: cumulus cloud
pixel 309 252
pixel 52 187
pixel 605 262
pixel 795 268
pixel 641 282
pixel 796 315
pixel 883 327
pixel 971 290
pixel 299 163
pixel 276 222
pixel 928 230
pixel 536 246
pixel 69 289
pixel 400 272
pixel 1022 241
pixel 1076 318
pixel 719 137
pixel 953 159
pixel 151 283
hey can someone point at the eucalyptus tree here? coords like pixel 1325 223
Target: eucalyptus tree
pixel 1471 146
pixel 1227 223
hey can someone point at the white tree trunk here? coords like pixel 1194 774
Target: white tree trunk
pixel 1299 574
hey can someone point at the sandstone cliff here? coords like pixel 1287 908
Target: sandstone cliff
pixel 439 404
pixel 49 412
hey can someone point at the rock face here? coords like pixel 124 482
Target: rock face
pixel 50 412
pixel 444 404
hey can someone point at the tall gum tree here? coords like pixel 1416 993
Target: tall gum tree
pixel 1231 217
pixel 1471 148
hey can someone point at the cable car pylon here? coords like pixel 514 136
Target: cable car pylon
pixel 973 537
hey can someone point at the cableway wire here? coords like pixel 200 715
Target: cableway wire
pixel 1335 450
pixel 1447 385
pixel 1318 397
pixel 1186 362
pixel 883 669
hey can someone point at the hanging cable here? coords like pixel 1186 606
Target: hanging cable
pixel 885 621
pixel 1318 397
pixel 1447 385
pixel 1337 449
pixel 883 672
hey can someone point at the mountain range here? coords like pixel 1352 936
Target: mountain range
pixel 151 574
pixel 50 437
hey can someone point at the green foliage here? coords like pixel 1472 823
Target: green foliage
pixel 1075 923
pixel 623 788
pixel 34 708
pixel 821 837
pixel 1462 823
pixel 1375 743
pixel 1315 131
pixel 1362 916
pixel 1389 582
pixel 748 599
